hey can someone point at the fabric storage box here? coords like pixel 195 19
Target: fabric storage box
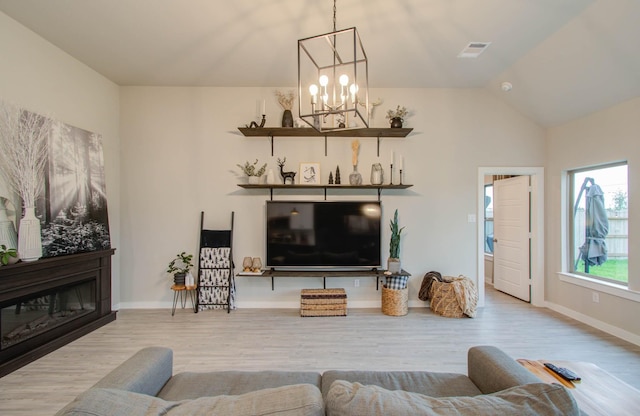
pixel 323 302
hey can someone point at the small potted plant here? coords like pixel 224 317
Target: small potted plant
pixel 396 117
pixel 7 255
pixel 252 173
pixel 180 266
pixel 393 263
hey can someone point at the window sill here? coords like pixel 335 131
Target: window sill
pixel 603 287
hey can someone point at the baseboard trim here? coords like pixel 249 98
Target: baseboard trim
pixel 603 326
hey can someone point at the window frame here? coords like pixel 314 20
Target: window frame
pixel 571 174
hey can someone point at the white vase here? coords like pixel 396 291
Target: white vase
pixel 254 180
pixel 29 238
pixel 394 265
pixel 271 177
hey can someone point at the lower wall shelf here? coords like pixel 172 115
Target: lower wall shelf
pixel 271 187
pixel 377 273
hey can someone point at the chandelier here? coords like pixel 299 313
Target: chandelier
pixel 333 80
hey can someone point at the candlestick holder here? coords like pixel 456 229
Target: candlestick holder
pixel 400 176
pixel 254 125
pixel 391 175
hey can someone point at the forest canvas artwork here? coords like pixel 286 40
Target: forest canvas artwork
pixel 70 199
pixel 75 204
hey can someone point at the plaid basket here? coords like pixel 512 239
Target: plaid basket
pixel 396 282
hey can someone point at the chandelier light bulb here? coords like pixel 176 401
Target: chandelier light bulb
pixel 353 89
pixel 344 80
pixel 313 90
pixel 324 80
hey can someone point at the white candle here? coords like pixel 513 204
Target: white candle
pixel 392 157
pixel 263 107
pixel 400 162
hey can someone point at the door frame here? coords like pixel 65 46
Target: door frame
pixel 537 228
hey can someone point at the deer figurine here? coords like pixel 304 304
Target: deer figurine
pixel 286 175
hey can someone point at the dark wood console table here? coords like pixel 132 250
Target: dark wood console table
pixel 377 273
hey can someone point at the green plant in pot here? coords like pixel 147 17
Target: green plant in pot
pixel 8 255
pixel 180 266
pixel 393 263
pixel 252 171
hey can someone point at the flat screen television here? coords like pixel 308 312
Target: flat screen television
pixel 323 234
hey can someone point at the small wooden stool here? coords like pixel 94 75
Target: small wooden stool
pixel 179 291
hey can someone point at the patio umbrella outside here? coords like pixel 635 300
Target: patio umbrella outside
pixel 594 249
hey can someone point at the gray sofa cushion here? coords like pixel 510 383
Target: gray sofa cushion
pixel 296 400
pixel 193 385
pixel 353 399
pixel 423 382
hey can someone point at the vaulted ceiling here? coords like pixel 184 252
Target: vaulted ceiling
pixel 565 58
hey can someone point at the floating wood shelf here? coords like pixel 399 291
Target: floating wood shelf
pixel 310 132
pixel 377 273
pixel 271 187
pixel 272 132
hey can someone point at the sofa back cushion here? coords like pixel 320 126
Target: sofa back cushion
pixel 423 382
pixel 190 385
pixel 295 400
pixel 345 398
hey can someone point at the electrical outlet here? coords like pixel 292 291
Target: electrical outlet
pixel 595 296
pixel 356 283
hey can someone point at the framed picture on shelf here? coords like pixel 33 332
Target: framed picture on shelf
pixel 309 173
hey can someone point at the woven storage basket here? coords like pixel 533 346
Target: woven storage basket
pixel 395 302
pixel 443 300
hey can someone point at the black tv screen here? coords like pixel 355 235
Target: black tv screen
pixel 323 234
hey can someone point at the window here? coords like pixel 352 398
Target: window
pixel 488 219
pixel 599 222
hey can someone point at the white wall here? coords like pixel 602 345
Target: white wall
pixel 40 77
pixel 607 136
pixel 180 147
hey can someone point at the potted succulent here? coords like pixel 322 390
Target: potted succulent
pixel 393 263
pixel 8 255
pixel 180 266
pixel 252 173
pixel 396 117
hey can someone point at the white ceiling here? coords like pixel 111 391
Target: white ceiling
pixel 565 58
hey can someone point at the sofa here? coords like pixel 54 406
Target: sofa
pixel 495 385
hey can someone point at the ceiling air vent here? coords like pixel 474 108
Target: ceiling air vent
pixel 473 49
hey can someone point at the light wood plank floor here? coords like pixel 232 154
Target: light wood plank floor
pixel 253 339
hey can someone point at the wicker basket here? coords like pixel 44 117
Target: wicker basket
pixel 395 302
pixel 443 300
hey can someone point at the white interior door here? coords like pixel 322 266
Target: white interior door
pixel 511 248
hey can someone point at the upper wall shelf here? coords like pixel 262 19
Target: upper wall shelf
pixel 272 132
pixel 310 132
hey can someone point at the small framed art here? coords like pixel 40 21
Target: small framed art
pixel 309 173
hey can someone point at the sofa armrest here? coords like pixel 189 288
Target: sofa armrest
pixel 492 370
pixel 146 372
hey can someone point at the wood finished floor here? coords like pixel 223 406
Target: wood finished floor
pixel 256 339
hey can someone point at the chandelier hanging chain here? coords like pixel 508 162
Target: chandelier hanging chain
pixel 334 15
